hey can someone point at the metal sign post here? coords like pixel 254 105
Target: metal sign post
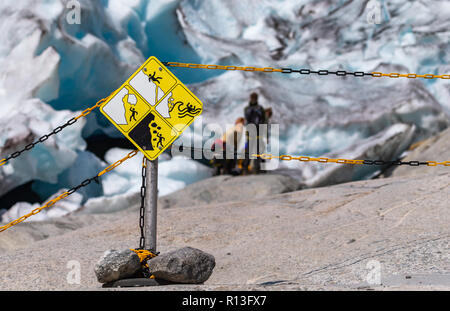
pixel 151 109
pixel 151 205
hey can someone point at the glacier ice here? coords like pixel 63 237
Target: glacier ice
pixel 86 165
pixel 122 185
pixel 388 144
pixel 60 208
pixel 338 33
pixel 46 160
pixel 127 177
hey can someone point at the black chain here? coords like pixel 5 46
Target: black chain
pixel 341 73
pixel 397 162
pixel 142 209
pixel 40 140
pixel 145 270
pixel 305 71
pixel 84 183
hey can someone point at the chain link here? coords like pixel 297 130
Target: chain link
pixel 220 67
pixel 55 131
pixel 144 254
pixel 40 140
pixel 341 73
pixel 266 156
pixel 67 193
pixel 304 71
pixel 142 208
pixel 116 164
pixel 409 75
pixel 89 110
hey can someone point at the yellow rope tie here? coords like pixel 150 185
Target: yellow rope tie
pixel 64 194
pixel 266 156
pixel 144 255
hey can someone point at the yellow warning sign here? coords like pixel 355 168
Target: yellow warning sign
pixel 152 108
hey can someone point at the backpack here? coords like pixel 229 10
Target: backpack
pixel 254 114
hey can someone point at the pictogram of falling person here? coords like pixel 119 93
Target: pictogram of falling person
pixel 157 136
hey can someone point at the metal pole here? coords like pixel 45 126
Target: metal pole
pixel 151 202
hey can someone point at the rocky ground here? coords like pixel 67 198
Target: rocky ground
pixel 265 234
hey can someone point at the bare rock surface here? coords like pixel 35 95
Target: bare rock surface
pixel 320 238
pixel 213 190
pixel 227 188
pixel 29 232
pixel 323 238
pixel 184 265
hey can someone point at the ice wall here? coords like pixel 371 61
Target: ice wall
pixel 325 114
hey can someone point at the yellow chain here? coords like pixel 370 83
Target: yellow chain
pixel 409 75
pixel 220 67
pixel 434 163
pixel 64 194
pixel 271 69
pixel 116 164
pixel 266 156
pixel 89 110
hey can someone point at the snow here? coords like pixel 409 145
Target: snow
pixel 60 208
pixel 173 173
pixel 122 185
pixel 86 165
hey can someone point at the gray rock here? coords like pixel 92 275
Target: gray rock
pixel 228 188
pixel 115 265
pixel 185 265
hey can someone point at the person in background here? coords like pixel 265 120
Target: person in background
pixel 254 114
pixel 217 162
pixel 232 137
